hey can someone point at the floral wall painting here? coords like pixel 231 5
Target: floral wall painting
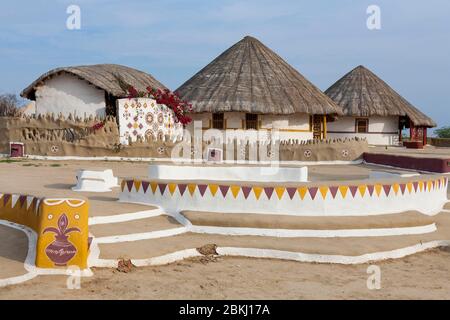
pixel 145 118
pixel 61 250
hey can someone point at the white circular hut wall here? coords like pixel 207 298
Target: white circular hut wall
pixel 67 94
pixel 382 130
pixel 293 126
pixel 228 173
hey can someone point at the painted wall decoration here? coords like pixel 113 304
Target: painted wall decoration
pixel 427 195
pixel 143 117
pixel 61 226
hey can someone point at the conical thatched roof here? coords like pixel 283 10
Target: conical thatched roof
pixel 249 77
pixel 102 76
pixel 361 93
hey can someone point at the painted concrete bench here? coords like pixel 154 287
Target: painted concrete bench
pixel 61 227
pixel 426 194
pixel 95 181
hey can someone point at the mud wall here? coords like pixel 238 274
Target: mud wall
pixel 47 135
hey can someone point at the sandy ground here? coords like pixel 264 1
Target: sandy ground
pixel 421 276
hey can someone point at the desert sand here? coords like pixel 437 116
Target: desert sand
pixel 421 276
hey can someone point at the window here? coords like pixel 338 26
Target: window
pixel 218 121
pixel 362 125
pixel 251 121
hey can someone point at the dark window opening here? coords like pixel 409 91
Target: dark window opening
pixel 362 125
pixel 251 121
pixel 218 121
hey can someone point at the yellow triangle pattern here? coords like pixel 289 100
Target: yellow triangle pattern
pixel 172 188
pixel 153 185
pixel 280 192
pixel 213 188
pixel 302 192
pixel 137 184
pixel 362 190
pixel 235 190
pixel 378 188
pixel 323 191
pixel 343 190
pixel 191 188
pixel 257 191
pixel 409 186
pixel 396 187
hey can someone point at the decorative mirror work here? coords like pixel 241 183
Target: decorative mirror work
pixel 144 118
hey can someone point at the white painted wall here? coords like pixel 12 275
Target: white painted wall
pixel 429 202
pixel 295 126
pixel 382 130
pixel 228 173
pixel 143 117
pixel 67 94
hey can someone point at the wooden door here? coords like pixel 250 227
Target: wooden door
pixel 317 127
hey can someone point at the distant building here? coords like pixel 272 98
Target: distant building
pixel 84 90
pixel 373 110
pixel 250 87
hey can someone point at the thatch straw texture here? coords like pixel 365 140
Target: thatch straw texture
pixel 250 77
pixel 361 93
pixel 102 76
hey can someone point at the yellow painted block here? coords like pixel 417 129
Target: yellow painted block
pixel 62 233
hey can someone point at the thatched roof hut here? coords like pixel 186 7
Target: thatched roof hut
pixel 102 76
pixel 250 77
pixel 361 93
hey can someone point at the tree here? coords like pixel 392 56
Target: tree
pixel 9 105
pixel 443 132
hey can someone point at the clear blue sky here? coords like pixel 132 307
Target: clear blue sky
pixel 173 39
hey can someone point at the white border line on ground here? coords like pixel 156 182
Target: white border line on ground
pixel 289 233
pixel 125 217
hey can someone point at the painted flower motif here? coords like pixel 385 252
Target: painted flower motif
pixel 54 149
pixel 161 150
pixel 130 125
pixel 126 115
pixel 307 153
pixel 149 118
pixel 135 133
pixel 141 126
pixel 155 127
pixel 345 153
pixel 160 118
pixel 149 133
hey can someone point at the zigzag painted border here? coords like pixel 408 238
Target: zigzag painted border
pixel 364 190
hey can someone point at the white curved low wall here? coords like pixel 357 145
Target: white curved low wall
pixel 427 195
pixel 228 173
